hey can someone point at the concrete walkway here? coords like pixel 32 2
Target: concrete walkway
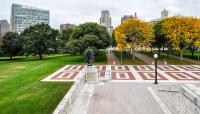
pixel 112 60
pixel 147 59
pixel 123 98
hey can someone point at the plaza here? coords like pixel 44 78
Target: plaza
pixel 121 88
pixel 132 73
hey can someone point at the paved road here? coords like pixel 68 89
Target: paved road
pixel 119 98
pixel 147 59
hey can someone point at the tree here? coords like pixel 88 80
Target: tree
pixel 64 37
pixel 11 44
pixel 133 34
pixel 113 43
pixel 40 39
pixel 160 40
pixel 182 32
pixel 89 34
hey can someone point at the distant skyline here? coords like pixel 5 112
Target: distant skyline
pixel 77 12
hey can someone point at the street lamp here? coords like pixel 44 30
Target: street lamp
pixel 156 74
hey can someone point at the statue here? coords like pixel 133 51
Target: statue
pixel 89 56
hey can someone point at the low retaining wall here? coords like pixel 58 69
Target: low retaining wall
pixel 65 105
pixel 180 99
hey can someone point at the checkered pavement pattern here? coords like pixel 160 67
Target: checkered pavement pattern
pixel 131 72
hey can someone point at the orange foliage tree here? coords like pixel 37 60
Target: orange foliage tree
pixel 132 34
pixel 182 32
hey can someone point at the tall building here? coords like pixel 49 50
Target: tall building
pixel 4 27
pixel 164 14
pixel 105 20
pixel 25 16
pixel 65 26
pixel 125 17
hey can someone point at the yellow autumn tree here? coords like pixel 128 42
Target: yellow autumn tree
pixel 182 32
pixel 132 34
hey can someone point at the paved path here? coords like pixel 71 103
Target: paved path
pixel 111 59
pixel 123 99
pixel 147 59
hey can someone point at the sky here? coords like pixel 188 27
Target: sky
pixel 81 11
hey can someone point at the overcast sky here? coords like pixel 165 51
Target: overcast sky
pixel 80 11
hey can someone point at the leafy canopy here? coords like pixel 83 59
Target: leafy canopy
pixel 133 33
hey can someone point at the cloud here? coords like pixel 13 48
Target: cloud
pixel 80 11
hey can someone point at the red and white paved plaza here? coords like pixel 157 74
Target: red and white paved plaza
pixel 133 73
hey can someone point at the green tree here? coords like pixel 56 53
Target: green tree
pixel 160 40
pixel 40 39
pixel 89 34
pixel 11 44
pixel 64 38
pixel 113 43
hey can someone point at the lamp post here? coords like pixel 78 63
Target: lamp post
pixel 156 74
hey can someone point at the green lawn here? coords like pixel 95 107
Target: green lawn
pixel 169 60
pixel 187 54
pixel 22 92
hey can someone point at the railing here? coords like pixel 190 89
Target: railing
pixel 66 104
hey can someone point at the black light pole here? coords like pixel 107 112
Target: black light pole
pixel 156 73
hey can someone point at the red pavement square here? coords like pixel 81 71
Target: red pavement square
pixel 182 76
pixel 151 76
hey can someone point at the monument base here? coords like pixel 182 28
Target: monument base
pixel 91 73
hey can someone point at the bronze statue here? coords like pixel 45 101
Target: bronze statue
pixel 89 56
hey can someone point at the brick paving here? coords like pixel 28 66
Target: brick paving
pixel 112 60
pixel 131 72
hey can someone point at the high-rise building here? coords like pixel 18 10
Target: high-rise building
pixel 125 17
pixel 164 14
pixel 4 27
pixel 105 20
pixel 25 16
pixel 65 26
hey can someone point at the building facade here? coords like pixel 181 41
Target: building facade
pixel 105 20
pixel 164 14
pixel 24 16
pixel 65 26
pixel 4 27
pixel 126 17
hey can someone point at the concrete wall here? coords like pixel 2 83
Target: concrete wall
pixel 180 99
pixel 66 104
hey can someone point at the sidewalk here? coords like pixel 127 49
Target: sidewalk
pixel 111 59
pixel 147 59
pixel 123 98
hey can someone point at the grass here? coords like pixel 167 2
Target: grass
pixel 127 59
pixel 187 54
pixel 22 92
pixel 169 60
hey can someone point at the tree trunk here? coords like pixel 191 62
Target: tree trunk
pixel 40 55
pixel 192 54
pixel 181 55
pixel 163 48
pixel 159 50
pixel 133 57
pixel 11 57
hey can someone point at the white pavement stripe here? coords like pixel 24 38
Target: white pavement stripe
pixel 159 101
pixel 135 73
